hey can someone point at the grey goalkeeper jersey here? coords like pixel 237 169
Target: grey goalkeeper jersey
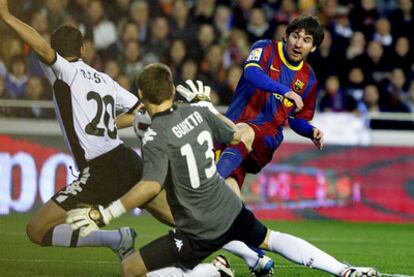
pixel 178 153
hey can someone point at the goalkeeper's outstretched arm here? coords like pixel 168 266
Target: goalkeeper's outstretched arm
pixel 93 217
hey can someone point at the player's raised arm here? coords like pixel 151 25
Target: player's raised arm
pixel 28 34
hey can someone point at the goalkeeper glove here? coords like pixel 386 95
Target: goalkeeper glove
pixel 198 96
pixel 91 218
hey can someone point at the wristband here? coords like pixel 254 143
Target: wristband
pixel 116 209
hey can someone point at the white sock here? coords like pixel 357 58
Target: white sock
pixel 205 270
pixel 241 250
pixel 110 238
pixel 64 236
pixel 302 252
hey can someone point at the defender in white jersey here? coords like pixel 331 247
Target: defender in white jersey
pixel 87 103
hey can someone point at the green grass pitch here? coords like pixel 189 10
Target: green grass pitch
pixel 389 247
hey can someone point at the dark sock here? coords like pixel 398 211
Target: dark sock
pixel 231 158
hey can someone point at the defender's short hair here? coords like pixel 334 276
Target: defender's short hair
pixel 156 83
pixel 311 26
pixel 67 41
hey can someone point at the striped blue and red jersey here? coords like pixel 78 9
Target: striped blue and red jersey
pixel 267 76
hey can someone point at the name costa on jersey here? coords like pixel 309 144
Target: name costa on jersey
pixel 92 76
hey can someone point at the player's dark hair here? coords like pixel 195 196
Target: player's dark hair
pixel 311 26
pixel 156 83
pixel 67 41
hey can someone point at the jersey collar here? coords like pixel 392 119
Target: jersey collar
pixel 285 59
pixel 75 60
pixel 167 111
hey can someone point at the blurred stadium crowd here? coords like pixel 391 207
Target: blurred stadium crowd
pixel 366 62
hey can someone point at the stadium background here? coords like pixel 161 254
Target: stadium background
pixel 366 90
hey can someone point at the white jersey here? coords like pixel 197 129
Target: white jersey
pixel 86 103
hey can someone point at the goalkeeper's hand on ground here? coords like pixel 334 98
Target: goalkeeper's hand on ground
pixel 88 218
pixel 197 95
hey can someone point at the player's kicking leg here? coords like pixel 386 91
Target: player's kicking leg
pixel 359 272
pixel 259 264
pixel 302 252
pixel 233 155
pixel 253 232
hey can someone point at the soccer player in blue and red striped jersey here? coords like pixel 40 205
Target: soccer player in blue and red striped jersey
pixel 277 84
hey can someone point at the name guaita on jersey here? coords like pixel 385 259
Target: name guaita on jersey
pixel 188 124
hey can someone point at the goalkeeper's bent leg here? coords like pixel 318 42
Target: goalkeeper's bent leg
pixel 302 252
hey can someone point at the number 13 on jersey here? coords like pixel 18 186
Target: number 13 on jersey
pixel 188 153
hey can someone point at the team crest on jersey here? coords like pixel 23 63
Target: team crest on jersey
pixel 298 86
pixel 148 136
pixel 255 54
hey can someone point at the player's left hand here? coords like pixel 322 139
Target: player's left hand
pixel 317 138
pixel 89 219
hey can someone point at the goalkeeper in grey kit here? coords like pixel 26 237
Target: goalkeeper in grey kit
pixel 178 156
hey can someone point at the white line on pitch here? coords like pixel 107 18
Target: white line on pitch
pixel 395 275
pixel 313 239
pixel 3 233
pixel 56 261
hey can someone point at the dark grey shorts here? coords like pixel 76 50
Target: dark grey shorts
pixel 185 251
